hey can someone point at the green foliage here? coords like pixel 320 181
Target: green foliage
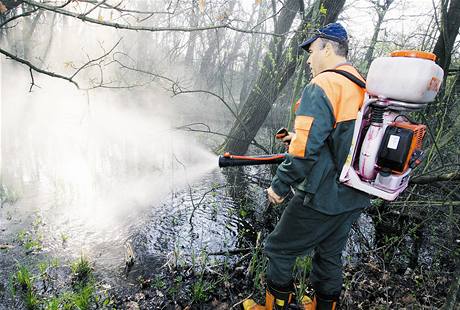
pixel 31 300
pixel 24 281
pixel 79 299
pixel 174 289
pixel 159 283
pixel 29 240
pixel 52 304
pixel 42 267
pixel 64 238
pixel 38 221
pixel 11 285
pixel 82 297
pixel 322 10
pixel 22 235
pixel 377 202
pixel 81 269
pixel 302 270
pixel 258 266
pixel 200 290
pixel 23 278
pixel 32 244
pixel 54 263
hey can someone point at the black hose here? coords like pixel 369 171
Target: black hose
pixel 249 161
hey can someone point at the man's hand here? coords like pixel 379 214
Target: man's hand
pixel 287 139
pixel 273 197
pixel 285 136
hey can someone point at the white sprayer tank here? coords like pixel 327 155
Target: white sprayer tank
pixel 409 76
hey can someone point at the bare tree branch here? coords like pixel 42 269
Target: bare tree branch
pixel 96 59
pixel 71 78
pixel 124 10
pixel 36 69
pixel 454 176
pixel 85 18
pixel 94 7
pixel 188 127
pixel 179 91
pixel 28 13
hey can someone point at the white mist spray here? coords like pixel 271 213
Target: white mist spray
pixel 92 160
pixel 102 154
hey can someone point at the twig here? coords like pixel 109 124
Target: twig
pixel 18 16
pixel 201 200
pixel 123 10
pixel 36 69
pixel 96 59
pixel 241 301
pixel 95 7
pixel 226 105
pixel 454 176
pixel 142 28
pixel 232 252
pixel 184 127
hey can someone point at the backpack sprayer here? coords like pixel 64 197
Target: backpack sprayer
pixel 386 144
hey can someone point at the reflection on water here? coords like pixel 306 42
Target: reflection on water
pixel 192 217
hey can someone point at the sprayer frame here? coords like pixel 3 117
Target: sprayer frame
pixel 348 175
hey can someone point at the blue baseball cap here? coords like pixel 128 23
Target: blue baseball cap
pixel 333 31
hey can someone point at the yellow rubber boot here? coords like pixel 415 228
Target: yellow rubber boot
pixel 250 304
pixel 271 303
pixel 307 303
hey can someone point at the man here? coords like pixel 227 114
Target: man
pixel 319 216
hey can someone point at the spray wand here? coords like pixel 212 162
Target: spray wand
pixel 229 160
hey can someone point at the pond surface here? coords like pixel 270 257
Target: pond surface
pixel 201 216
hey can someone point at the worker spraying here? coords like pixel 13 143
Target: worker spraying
pixel 347 145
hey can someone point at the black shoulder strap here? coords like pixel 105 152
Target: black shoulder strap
pixel 349 76
pixel 358 82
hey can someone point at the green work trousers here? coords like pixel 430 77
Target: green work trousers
pixel 301 231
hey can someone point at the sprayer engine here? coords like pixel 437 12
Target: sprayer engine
pixel 386 144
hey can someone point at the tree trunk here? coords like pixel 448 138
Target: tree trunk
pixel 192 36
pixel 28 31
pixel 51 37
pixel 251 61
pixel 381 9
pixel 278 67
pixel 450 23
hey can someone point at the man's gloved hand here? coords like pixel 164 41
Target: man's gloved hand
pixel 287 139
pixel 285 136
pixel 273 197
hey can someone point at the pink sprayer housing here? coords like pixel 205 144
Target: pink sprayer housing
pixel 359 170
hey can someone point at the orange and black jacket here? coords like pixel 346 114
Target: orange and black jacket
pixel 324 127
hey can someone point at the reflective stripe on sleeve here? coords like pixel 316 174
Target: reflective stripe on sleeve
pixel 302 127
